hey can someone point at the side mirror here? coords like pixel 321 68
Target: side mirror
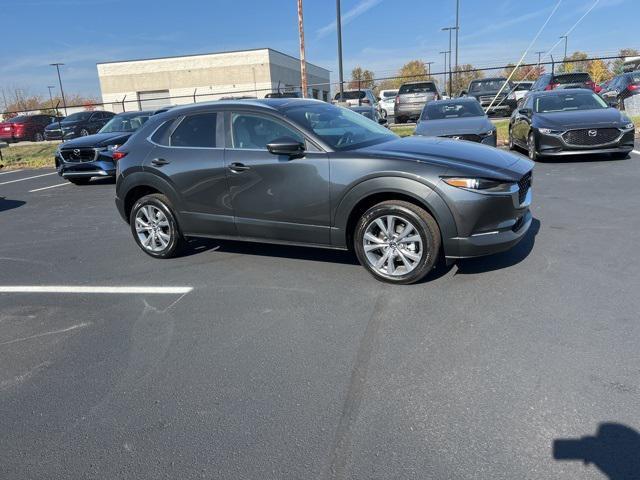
pixel 286 146
pixel 525 111
pixel 366 101
pixel 382 121
pixel 464 93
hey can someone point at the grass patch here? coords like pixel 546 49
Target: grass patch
pixel 39 155
pixel 403 131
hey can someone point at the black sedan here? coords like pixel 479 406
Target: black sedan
pixel 90 156
pixel 78 124
pixel 570 122
pixel 304 172
pixel 460 119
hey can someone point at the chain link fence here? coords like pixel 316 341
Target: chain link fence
pixel 486 84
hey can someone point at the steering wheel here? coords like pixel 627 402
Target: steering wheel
pixel 345 139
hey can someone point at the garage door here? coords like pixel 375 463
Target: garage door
pixel 153 100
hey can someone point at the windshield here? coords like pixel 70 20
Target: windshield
pixel 572 78
pixel 340 128
pixel 353 95
pixel 487 85
pixel 417 88
pixel 568 101
pixel 125 123
pixel 75 117
pixel 389 94
pixel 18 119
pixel 444 110
pixel 634 77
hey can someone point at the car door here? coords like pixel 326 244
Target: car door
pixel 522 122
pixel 189 156
pixel 275 196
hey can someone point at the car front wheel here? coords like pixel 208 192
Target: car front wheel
pixel 531 147
pixel 154 226
pixel 397 242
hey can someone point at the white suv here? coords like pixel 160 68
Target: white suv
pixel 387 102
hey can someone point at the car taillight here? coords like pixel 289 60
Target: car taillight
pixel 397 99
pixel 590 85
pixel 366 101
pixel 552 86
pixel 632 88
pixel 17 126
pixel 118 155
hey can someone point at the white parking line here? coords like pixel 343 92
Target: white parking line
pixel 12 171
pixel 50 186
pixel 96 289
pixel 28 178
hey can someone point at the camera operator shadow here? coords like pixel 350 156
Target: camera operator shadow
pixel 615 450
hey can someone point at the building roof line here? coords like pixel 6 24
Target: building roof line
pixel 210 53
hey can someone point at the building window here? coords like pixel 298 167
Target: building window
pixel 325 96
pixel 315 93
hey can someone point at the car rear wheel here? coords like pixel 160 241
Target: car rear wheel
pixel 80 180
pixel 531 147
pixel 397 242
pixel 39 137
pixel 84 132
pixel 154 226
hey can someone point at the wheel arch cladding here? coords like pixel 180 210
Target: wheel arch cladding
pixel 370 192
pixel 141 184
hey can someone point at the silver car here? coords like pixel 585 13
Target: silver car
pixel 412 98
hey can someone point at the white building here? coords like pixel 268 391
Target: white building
pixel 158 82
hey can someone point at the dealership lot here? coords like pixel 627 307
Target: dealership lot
pixel 287 362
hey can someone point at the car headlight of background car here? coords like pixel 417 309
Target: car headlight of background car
pixel 629 126
pixel 489 133
pixel 480 184
pixel 549 131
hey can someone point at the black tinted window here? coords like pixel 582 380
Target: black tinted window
pixel 161 135
pixel 196 131
pixel 443 110
pixel 351 95
pixel 572 78
pixel 417 88
pixel 256 131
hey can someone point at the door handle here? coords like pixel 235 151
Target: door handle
pixel 158 162
pixel 238 167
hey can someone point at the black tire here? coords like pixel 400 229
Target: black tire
pixel 80 180
pixel 531 147
pixel 424 224
pixel 176 241
pixel 39 137
pixel 512 146
pixel 399 120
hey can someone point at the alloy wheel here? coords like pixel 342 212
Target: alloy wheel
pixel 531 147
pixel 392 245
pixel 84 132
pixel 153 228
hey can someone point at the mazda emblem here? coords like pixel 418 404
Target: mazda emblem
pixel 76 152
pixel 455 137
pixel 592 133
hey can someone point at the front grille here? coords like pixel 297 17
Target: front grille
pixel 79 154
pixel 523 185
pixel 591 137
pixel 467 136
pixel 489 99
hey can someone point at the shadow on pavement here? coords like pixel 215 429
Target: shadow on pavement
pixel 9 204
pixel 200 245
pixel 614 450
pixel 586 158
pixel 504 259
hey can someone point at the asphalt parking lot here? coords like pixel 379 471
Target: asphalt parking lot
pixel 294 363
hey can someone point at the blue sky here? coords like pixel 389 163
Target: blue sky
pixel 377 34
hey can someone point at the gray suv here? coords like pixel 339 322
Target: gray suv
pixel 412 98
pixel 303 172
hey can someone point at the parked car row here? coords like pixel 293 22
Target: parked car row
pixel 25 127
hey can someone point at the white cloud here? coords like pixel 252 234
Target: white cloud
pixel 362 7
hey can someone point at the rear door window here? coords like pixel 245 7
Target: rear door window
pixel 197 131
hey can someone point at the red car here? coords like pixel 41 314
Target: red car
pixel 25 127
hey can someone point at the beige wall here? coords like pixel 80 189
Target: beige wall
pixel 217 75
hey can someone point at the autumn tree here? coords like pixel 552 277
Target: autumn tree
pixel 599 71
pixel 576 62
pixel 361 78
pixel 412 71
pixel 617 65
pixel 526 72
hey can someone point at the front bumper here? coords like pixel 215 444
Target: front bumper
pixel 103 166
pixel 555 145
pixel 486 223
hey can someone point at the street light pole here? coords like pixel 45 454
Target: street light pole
pixel 303 62
pixel 51 87
pixel 450 29
pixel 339 28
pixel 64 102
pixel 429 69
pixel 444 71
pixel 457 30
pixel 566 40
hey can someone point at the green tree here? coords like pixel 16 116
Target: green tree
pixel 361 78
pixel 617 64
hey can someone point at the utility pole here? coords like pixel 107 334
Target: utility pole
pixel 51 87
pixel 64 102
pixel 429 68
pixel 566 40
pixel 339 28
pixel 450 29
pixel 303 62
pixel 444 71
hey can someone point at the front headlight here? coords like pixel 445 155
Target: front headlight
pixel 484 184
pixel 629 126
pixel 110 148
pixel 490 133
pixel 548 131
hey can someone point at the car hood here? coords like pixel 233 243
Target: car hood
pixel 472 157
pixel 98 140
pixel 53 126
pixel 454 126
pixel 578 118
